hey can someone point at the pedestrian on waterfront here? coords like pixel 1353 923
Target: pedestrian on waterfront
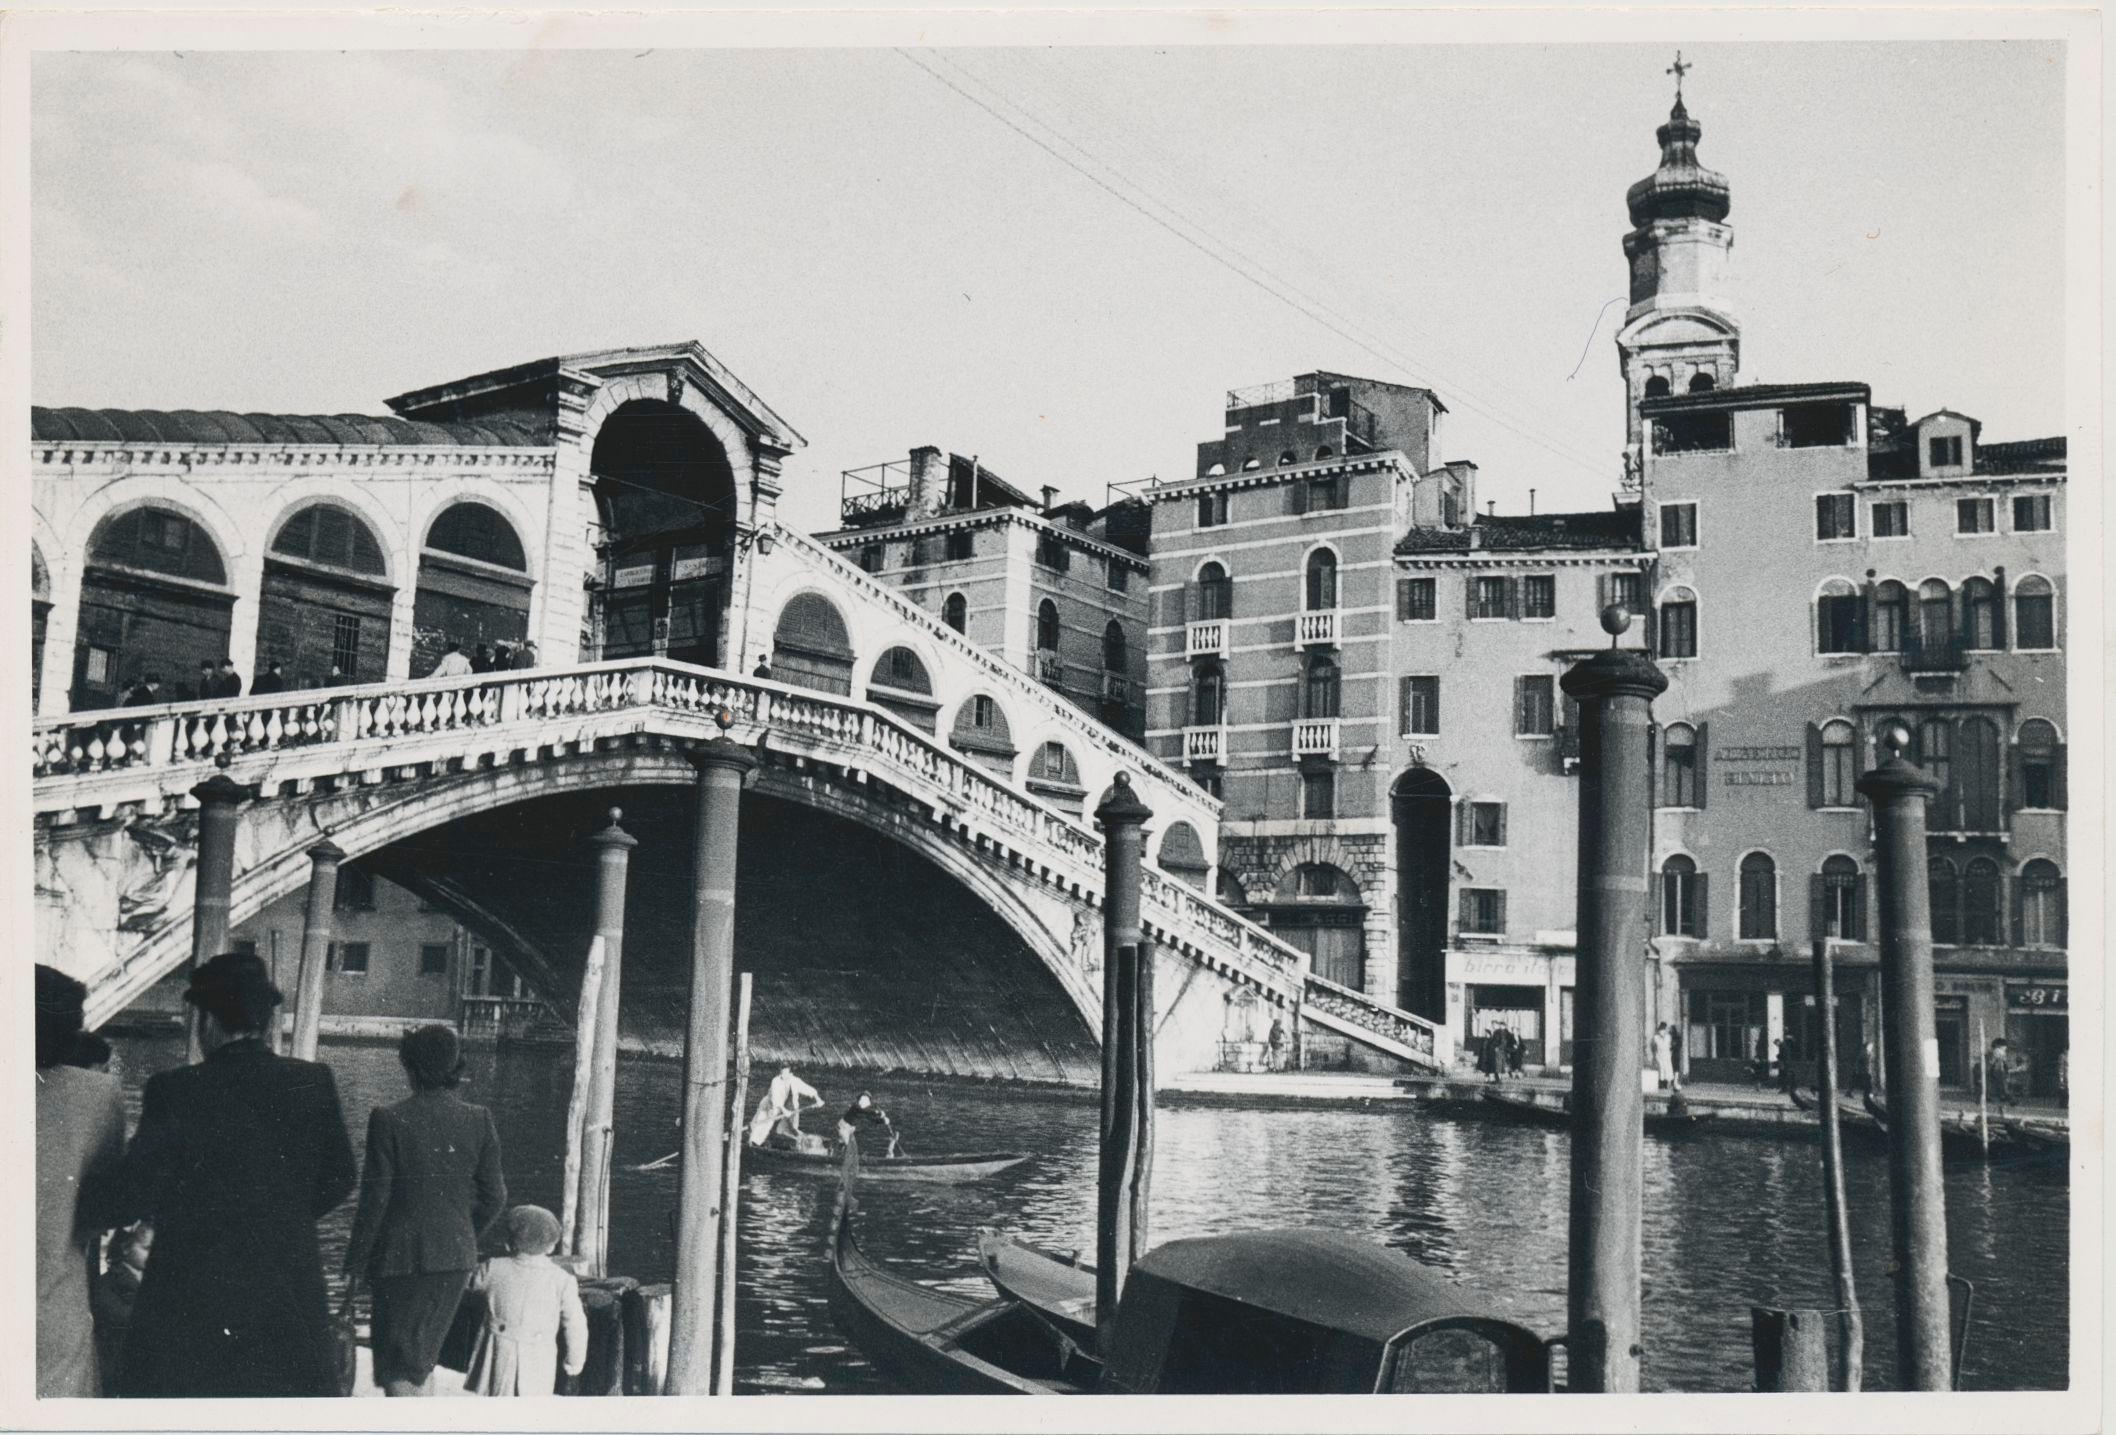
pixel 481 658
pixel 1275 1042
pixel 1783 1060
pixel 147 693
pixel 1675 1051
pixel 272 680
pixel 1664 1059
pixel 227 683
pixel 453 664
pixel 235 1160
pixel 430 1187
pixel 533 1313
pixel 1998 1074
pixel 80 1149
pixel 862 1112
pixel 1516 1053
pixel 525 655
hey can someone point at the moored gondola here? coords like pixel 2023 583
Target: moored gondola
pixel 1678 1118
pixel 949 1167
pixel 1059 1288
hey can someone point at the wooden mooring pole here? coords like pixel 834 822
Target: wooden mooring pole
pixel 1851 1326
pixel 598 1132
pixel 317 918
pixel 577 1108
pixel 701 1186
pixel 1127 1061
pixel 219 797
pixel 1615 690
pixel 1918 1199
pixel 731 1203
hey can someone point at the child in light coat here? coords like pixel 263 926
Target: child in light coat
pixel 533 1313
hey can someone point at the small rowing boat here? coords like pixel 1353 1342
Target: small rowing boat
pixel 1679 1118
pixel 950 1167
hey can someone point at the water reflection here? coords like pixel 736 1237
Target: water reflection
pixel 1728 1221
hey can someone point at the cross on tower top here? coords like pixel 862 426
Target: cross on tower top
pixel 1679 69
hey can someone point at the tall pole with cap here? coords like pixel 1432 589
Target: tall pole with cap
pixel 1911 1055
pixel 722 764
pixel 316 922
pixel 219 799
pixel 1127 1060
pixel 1615 690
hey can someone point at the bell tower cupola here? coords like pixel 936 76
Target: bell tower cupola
pixel 1680 334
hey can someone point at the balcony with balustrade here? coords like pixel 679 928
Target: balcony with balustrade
pixel 1931 656
pixel 1050 668
pixel 1316 737
pixel 1206 638
pixel 1205 744
pixel 1316 629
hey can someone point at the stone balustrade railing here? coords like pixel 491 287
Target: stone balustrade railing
pixel 89 757
pixel 1344 1008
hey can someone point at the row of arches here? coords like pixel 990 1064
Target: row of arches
pixel 1888 616
pixel 1286 459
pixel 812 648
pixel 157 600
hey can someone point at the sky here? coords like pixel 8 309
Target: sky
pixel 891 248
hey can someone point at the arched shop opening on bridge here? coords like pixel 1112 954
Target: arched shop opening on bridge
pixel 665 524
pixel 154 598
pixel 901 684
pixel 810 646
pixel 323 608
pixel 866 954
pixel 474 585
pixel 39 614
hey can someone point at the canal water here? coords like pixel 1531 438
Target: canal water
pixel 1729 1221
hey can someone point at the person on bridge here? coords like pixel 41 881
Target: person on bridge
pixel 524 657
pixel 235 1160
pixel 779 1113
pixel 148 693
pixel 430 1188
pixel 227 683
pixel 453 664
pixel 272 680
pixel 208 683
pixel 862 1112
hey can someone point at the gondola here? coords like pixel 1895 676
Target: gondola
pixel 941 1342
pixel 1960 1140
pixel 1059 1288
pixel 949 1167
pixel 1256 1312
pixel 1679 1119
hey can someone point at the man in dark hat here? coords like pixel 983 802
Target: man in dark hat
pixel 234 1161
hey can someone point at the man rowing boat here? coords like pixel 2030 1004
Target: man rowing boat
pixel 779 1113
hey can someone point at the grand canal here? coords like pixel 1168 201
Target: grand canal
pixel 1729 1220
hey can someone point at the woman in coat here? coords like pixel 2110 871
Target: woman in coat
pixel 80 1145
pixel 235 1160
pixel 431 1185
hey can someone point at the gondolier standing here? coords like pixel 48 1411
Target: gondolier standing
pixel 779 1113
pixel 862 1112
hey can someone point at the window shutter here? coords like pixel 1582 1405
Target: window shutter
pixel 1701 884
pixel 2016 780
pixel 1814 766
pixel 1403 707
pixel 1704 765
pixel 1469 595
pixel 1502 824
pixel 1601 591
pixel 1403 599
pixel 1173 603
pixel 2057 776
pixel 1869 619
pixel 2063 915
pixel 1859 628
pixel 1463 908
pixel 1436 705
pixel 1513 598
pixel 1652 764
pixel 1297 497
pixel 1520 705
pixel 2020 889
pixel 1817 905
pixel 1858 912
pixel 1501 924
pixel 1462 823
pixel 1998 608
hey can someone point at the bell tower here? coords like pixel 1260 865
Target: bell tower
pixel 1680 333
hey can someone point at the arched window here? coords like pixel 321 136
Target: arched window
pixel 1215 593
pixel 1208 695
pixel 1116 653
pixel 2035 614
pixel 901 684
pixel 1891 617
pixel 1759 898
pixel 1183 855
pixel 1054 764
pixel 1320 691
pixel 1682 898
pixel 901 668
pixel 1980 615
pixel 810 647
pixel 1678 785
pixel 982 734
pixel 1218 470
pixel 1944 883
pixel 1935 616
pixel 1047 626
pixel 1251 465
pixel 1701 383
pixel 158 540
pixel 2039 906
pixel 474 530
pixel 1322 580
pixel 2038 767
pixel 1657 387
pixel 1840 901
pixel 1678 623
pixel 1832 756
pixel 1325 452
pixel 1980 901
pixel 1976 774
pixel 154 599
pixel 1288 457
pixel 956 612
pixel 1840 618
pixel 327 534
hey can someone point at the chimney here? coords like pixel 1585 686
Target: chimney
pixel 1531 503
pixel 1050 493
pixel 929 483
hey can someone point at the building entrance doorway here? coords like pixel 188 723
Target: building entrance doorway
pixel 1419 807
